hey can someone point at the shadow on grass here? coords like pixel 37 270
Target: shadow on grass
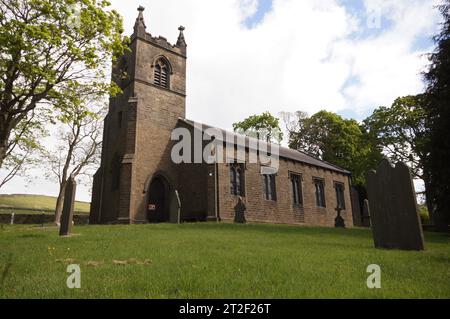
pixel 281 229
pixel 32 236
pixel 355 233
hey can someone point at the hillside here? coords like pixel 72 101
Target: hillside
pixel 26 204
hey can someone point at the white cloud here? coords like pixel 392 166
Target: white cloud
pixel 300 57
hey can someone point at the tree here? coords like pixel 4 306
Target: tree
pixel 328 136
pixel 401 130
pixel 78 149
pixel 52 51
pixel 264 127
pixel 438 119
pixel 24 147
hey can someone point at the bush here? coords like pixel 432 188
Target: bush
pixel 424 215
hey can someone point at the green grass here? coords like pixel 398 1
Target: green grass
pixel 35 202
pixel 210 260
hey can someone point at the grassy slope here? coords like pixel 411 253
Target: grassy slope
pixel 218 261
pixel 36 202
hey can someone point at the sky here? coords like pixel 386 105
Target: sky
pixel 246 57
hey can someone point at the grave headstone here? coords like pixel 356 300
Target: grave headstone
pixel 366 214
pixel 68 207
pixel 12 218
pixel 339 222
pixel 240 210
pixel 356 207
pixel 175 208
pixel 393 208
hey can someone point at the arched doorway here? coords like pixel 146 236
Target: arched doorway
pixel 158 201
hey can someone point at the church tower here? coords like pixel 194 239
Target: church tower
pixel 136 160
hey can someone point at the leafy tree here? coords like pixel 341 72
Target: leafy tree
pixel 52 52
pixel 401 130
pixel 438 118
pixel 24 147
pixel 78 149
pixel 343 142
pixel 264 127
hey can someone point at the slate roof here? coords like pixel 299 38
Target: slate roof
pixel 286 153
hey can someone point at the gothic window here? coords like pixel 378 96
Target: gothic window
pixel 162 74
pixel 319 185
pixel 270 189
pixel 296 187
pixel 237 179
pixel 340 199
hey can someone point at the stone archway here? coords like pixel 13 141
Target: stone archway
pixel 158 208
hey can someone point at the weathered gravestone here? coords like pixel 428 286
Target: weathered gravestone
pixel 339 222
pixel 68 206
pixel 175 208
pixel 356 207
pixel 393 208
pixel 366 214
pixel 239 210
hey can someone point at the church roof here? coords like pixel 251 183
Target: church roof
pixel 285 152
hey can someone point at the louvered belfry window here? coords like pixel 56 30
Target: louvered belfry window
pixel 162 74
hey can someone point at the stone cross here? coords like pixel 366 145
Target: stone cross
pixel 393 207
pixel 239 210
pixel 339 222
pixel 69 203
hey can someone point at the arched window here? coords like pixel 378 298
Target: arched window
pixel 237 179
pixel 162 73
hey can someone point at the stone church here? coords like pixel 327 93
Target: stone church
pixel 138 182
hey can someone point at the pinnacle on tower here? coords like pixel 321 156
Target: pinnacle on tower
pixel 139 26
pixel 181 42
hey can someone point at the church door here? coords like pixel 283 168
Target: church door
pixel 157 205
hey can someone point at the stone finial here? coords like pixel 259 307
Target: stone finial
pixel 139 26
pixel 181 42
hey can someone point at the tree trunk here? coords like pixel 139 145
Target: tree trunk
pixel 428 198
pixel 4 137
pixel 60 203
pixel 2 154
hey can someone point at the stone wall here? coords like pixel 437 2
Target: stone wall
pixel 31 219
pixel 283 210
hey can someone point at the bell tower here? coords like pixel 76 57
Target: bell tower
pixel 138 127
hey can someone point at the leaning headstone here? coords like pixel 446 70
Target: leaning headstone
pixel 68 206
pixel 175 208
pixel 239 210
pixel 366 214
pixel 356 207
pixel 393 208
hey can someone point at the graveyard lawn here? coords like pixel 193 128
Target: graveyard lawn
pixel 209 260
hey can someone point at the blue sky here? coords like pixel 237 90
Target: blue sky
pixel 263 7
pixel 372 23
